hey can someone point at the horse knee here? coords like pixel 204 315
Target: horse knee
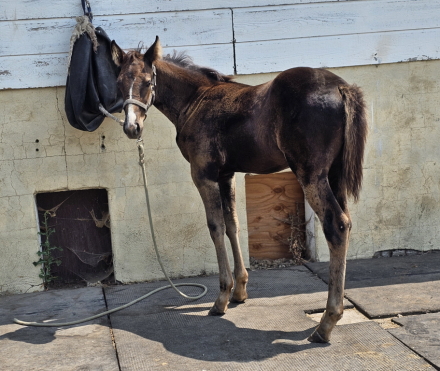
pixel 216 229
pixel 336 227
pixel 227 285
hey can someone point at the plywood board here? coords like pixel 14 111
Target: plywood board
pixel 269 198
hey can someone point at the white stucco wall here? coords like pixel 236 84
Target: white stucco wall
pixel 398 208
pixel 68 159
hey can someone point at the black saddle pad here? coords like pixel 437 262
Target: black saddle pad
pixel 91 81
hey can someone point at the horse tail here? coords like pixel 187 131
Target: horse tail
pixel 356 130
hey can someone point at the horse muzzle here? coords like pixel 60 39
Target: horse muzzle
pixel 133 131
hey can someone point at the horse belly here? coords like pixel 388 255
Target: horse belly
pixel 254 157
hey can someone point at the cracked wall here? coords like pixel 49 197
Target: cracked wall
pixel 41 152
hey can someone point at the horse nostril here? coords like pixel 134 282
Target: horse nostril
pixel 138 129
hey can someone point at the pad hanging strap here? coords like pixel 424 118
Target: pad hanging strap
pixel 88 12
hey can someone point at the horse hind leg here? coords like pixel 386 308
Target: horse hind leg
pixel 227 192
pixel 336 224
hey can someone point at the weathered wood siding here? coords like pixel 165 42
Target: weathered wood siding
pixel 243 37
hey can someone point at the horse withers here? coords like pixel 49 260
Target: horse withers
pixel 307 119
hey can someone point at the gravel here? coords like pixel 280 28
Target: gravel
pixel 270 264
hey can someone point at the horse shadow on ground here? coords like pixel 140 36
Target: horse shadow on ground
pixel 190 335
pixel 272 322
pixel 215 339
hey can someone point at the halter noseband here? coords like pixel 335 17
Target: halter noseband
pixel 134 101
pixel 152 95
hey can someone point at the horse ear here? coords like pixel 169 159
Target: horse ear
pixel 117 53
pixel 153 53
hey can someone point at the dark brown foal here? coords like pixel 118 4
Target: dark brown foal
pixel 307 119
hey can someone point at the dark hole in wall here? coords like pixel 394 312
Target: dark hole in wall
pixel 82 229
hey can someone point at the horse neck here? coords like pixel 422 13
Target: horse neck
pixel 176 89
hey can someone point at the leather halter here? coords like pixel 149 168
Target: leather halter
pixel 152 95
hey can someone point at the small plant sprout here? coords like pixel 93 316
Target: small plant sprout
pixel 46 259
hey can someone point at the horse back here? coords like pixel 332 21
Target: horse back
pixel 251 128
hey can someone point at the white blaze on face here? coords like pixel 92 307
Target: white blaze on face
pixel 131 116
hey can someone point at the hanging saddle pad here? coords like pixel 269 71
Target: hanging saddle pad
pixel 91 82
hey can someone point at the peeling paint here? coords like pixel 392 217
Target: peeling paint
pixel 41 63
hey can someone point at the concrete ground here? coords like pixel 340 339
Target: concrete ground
pixel 390 326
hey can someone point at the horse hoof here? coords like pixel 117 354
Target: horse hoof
pixel 238 301
pixel 214 311
pixel 317 338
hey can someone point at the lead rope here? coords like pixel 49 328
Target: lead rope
pixel 109 115
pixel 147 198
pixel 171 285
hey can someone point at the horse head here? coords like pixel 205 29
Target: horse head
pixel 137 83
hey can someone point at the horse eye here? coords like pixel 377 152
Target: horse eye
pixel 148 83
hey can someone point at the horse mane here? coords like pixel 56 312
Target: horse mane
pixel 183 60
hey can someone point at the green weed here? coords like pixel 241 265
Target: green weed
pixel 46 259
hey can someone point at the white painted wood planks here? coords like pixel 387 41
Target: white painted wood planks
pixel 337 51
pixel 35 71
pixel 174 29
pixel 33 53
pixel 41 9
pixel 330 19
pixel 270 39
pixel 253 36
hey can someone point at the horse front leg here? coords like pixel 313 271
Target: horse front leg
pixel 227 192
pixel 210 192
